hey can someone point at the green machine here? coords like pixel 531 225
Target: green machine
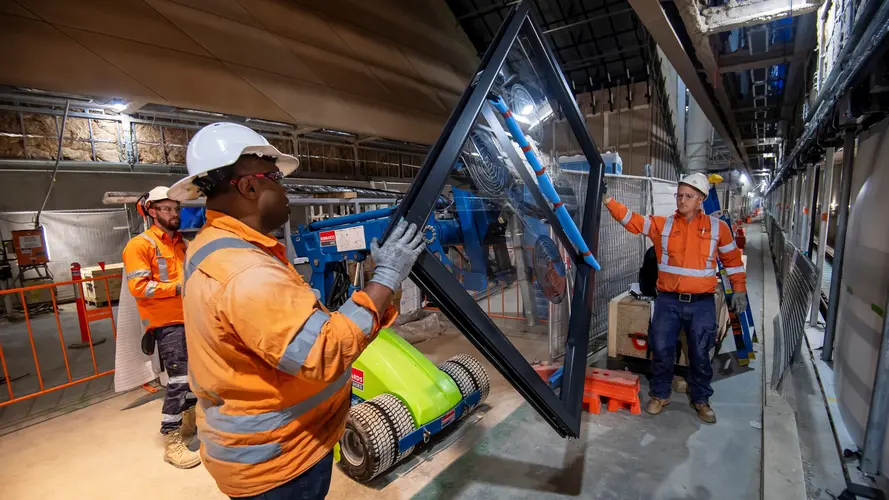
pixel 400 399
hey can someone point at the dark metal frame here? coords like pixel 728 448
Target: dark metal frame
pixel 562 412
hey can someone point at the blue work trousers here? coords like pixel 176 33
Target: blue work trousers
pixel 312 484
pixel 698 319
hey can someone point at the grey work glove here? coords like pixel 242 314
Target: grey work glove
pixel 396 257
pixel 738 302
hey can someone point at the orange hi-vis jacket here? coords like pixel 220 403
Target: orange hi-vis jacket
pixel 271 367
pixel 153 263
pixel 687 250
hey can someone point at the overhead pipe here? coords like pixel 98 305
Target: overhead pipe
pixel 839 248
pixel 546 184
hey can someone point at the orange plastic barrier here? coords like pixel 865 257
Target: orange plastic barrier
pixel 620 387
pixel 90 315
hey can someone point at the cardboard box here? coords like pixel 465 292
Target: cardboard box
pixel 94 291
pixel 628 322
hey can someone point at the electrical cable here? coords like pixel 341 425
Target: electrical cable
pixel 55 169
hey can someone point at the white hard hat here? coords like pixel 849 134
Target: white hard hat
pixel 157 194
pixel 698 181
pixel 221 144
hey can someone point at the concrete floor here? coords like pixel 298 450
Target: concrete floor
pixel 103 452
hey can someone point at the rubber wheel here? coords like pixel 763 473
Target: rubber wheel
pixel 469 375
pixel 476 372
pixel 369 445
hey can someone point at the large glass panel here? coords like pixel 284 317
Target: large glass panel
pixel 507 255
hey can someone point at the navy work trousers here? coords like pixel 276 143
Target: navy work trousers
pixel 312 484
pixel 698 319
pixel 174 355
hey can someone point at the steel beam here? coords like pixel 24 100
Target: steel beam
pixel 691 17
pixel 824 201
pixel 737 15
pixel 655 20
pixel 839 246
pixel 744 60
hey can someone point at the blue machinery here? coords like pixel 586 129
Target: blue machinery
pixel 477 224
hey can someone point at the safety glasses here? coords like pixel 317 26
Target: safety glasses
pixel 273 176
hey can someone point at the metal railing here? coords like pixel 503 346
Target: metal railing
pixel 49 378
pixel 797 277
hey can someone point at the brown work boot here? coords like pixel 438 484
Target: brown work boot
pixel 705 413
pixel 656 405
pixel 189 426
pixel 177 454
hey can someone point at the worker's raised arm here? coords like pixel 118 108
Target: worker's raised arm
pixel 730 256
pixel 278 318
pixel 137 258
pixel 637 224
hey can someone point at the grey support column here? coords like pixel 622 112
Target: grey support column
pixel 877 415
pixel 824 197
pixel 839 245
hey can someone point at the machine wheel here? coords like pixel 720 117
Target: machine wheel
pixel 469 375
pixel 477 372
pixel 369 445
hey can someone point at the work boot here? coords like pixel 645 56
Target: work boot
pixel 705 413
pixel 656 405
pixel 189 426
pixel 177 454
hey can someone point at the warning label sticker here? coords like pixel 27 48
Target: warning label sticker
pixel 350 239
pixel 448 417
pixel 328 238
pixel 357 379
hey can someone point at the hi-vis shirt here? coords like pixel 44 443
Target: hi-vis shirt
pixel 271 367
pixel 153 263
pixel 687 250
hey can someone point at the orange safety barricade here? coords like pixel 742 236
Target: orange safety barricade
pixel 85 317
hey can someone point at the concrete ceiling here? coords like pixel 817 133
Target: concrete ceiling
pixel 376 67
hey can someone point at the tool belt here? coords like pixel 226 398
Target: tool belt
pixel 686 297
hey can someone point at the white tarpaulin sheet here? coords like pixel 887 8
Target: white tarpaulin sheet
pixel 132 368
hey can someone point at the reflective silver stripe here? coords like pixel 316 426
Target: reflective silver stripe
pixel 190 395
pixel 145 323
pixel 728 248
pixel 178 379
pixel 142 273
pixel 171 418
pixel 150 239
pixel 627 218
pixel 734 270
pixel 218 244
pixel 647 226
pixel 359 315
pixel 714 240
pixel 295 354
pixel 150 288
pixel 162 269
pixel 269 421
pixel 665 239
pixel 249 454
pixel 684 271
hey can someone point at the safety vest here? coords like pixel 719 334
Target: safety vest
pixel 687 251
pixel 270 366
pixel 153 265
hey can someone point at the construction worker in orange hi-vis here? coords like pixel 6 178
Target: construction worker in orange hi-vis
pixel 153 263
pixel 269 363
pixel 687 245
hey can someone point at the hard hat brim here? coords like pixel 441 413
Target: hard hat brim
pixel 185 189
pixel 706 195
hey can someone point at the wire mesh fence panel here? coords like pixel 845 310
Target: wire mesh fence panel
pixel 620 253
pixel 796 277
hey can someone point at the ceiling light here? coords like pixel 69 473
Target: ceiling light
pixel 118 105
pixel 768 155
